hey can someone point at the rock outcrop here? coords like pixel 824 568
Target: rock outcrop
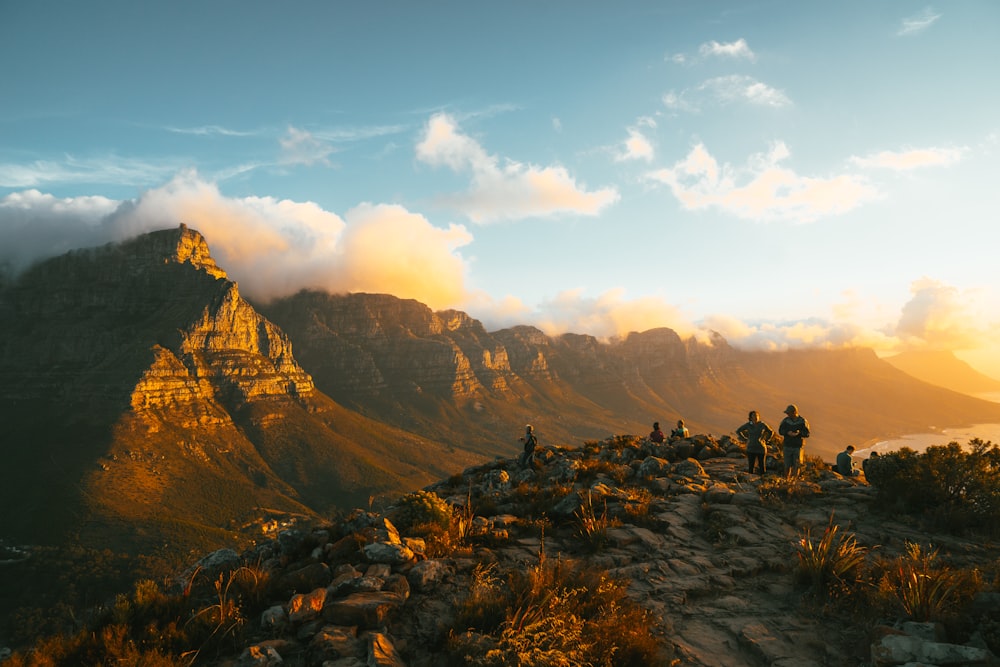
pixel 703 545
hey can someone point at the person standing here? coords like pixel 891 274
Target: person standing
pixel 794 429
pixel 530 442
pixel 755 434
pixel 657 434
pixel 680 432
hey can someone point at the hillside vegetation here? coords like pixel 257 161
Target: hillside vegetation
pixel 620 552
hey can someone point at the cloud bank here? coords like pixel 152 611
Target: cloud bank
pixel 271 247
pixel 505 189
pixel 762 189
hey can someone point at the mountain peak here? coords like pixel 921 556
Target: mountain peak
pixel 180 245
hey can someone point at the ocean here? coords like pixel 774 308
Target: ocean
pixel 921 441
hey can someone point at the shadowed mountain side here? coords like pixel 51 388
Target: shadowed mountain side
pixel 944 369
pixel 138 389
pixel 443 375
pixel 851 396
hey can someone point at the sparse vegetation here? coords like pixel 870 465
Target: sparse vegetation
pixel 948 487
pixel 834 561
pixel 556 613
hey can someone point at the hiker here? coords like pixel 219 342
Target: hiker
pixel 794 429
pixel 755 434
pixel 845 462
pixel 657 434
pixel 530 442
pixel 680 432
pixel 868 462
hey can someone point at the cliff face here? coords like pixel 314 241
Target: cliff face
pixel 140 386
pixel 443 375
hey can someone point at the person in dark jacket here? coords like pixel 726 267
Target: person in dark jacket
pixel 530 442
pixel 755 434
pixel 794 429
pixel 845 462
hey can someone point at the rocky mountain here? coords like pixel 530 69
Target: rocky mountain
pixel 441 374
pixel 145 401
pixel 622 552
pixel 943 368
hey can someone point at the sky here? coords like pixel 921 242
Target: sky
pixel 787 174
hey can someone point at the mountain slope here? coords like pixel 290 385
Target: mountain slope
pixel 443 375
pixel 144 399
pixel 944 369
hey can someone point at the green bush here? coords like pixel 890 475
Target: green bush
pixel 421 508
pixel 949 487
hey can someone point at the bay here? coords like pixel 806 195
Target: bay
pixel 921 441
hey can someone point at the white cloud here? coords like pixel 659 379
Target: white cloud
pixel 270 247
pixel 918 23
pixel 34 225
pixel 741 88
pixel 636 147
pixel 608 315
pixel 762 189
pixel 939 316
pixel 505 190
pixel 911 159
pixel 210 130
pixel 70 169
pixel 737 49
pixel 301 147
pixel 726 90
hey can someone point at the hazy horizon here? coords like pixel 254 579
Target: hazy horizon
pixel 789 176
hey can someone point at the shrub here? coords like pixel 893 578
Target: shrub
pixel 923 589
pixel 833 562
pixel 948 487
pixel 556 613
pixel 591 528
pixel 421 507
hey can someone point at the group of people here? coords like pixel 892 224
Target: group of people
pixel 756 434
pixel 680 432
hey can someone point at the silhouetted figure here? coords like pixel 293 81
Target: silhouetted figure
pixel 680 432
pixel 657 435
pixel 794 429
pixel 755 434
pixel 868 462
pixel 845 462
pixel 530 442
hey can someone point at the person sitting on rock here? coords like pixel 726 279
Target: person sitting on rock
pixel 755 434
pixel 680 432
pixel 657 435
pixel 845 462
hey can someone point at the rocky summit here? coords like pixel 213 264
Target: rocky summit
pixel 708 553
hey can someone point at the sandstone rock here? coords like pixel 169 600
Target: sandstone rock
pixel 364 610
pixel 425 574
pixel 306 606
pixel 381 652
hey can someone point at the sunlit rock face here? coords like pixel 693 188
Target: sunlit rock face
pixel 373 344
pixel 150 323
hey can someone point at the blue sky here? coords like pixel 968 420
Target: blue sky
pixel 788 174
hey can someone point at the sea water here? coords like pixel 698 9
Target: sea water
pixel 919 442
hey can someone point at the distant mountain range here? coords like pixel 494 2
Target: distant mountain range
pixel 943 368
pixel 146 402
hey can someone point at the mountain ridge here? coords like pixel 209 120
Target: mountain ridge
pixel 149 392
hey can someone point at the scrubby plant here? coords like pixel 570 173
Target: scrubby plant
pixel 556 613
pixel 421 507
pixel 947 486
pixel 922 588
pixel 778 488
pixel 831 563
pixel 591 527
